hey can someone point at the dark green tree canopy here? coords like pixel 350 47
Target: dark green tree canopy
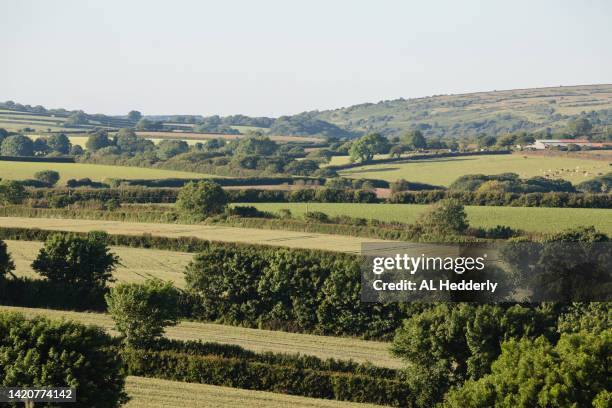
pixel 12 192
pixel 128 142
pixel 6 261
pixel 97 141
pixel 134 115
pixel 414 140
pixel 170 148
pixel 17 145
pixel 59 142
pixel 201 199
pixel 81 261
pixel 364 148
pixel 40 352
pixel 260 146
pixel 47 176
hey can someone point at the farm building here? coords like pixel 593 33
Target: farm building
pixel 542 144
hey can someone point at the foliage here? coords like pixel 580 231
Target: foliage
pixel 47 176
pixel 414 140
pixel 142 310
pixel 97 140
pixel 170 148
pixel 60 143
pixel 17 145
pixel 80 261
pixel 364 148
pixel 11 192
pixel 446 217
pixel 6 261
pixel 536 373
pixel 42 353
pixel 201 199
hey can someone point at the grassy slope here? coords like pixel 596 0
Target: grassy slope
pixel 137 264
pixel 290 239
pixel 24 170
pixel 445 171
pixel 526 218
pixel 535 109
pixel 154 393
pixel 252 339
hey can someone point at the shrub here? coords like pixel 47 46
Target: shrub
pixel 142 310
pixel 446 217
pixel 6 262
pixel 11 192
pixel 47 176
pixel 316 216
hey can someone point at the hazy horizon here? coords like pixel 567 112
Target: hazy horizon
pixel 272 58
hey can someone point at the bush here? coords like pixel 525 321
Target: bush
pixel 142 310
pixel 50 177
pixel 11 192
pixel 201 199
pixel 61 354
pixel 80 261
pixel 316 216
pixel 6 262
pixel 444 218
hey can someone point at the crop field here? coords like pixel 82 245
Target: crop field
pixel 526 218
pixel 446 170
pixel 156 393
pixel 252 339
pixel 290 239
pixel 96 172
pixel 137 264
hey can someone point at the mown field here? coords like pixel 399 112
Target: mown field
pixel 252 339
pixel 290 239
pixel 137 264
pixel 96 172
pixel 155 393
pixel 446 170
pixel 525 218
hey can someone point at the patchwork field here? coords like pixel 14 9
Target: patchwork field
pixel 155 393
pixel 525 218
pixel 137 264
pixel 206 136
pixel 445 171
pixel 253 339
pixel 96 172
pixel 290 239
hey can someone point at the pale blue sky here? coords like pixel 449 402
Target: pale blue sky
pixel 273 57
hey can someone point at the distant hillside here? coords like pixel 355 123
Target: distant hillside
pixel 492 113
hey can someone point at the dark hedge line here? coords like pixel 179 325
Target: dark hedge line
pixel 133 195
pixel 199 348
pixel 554 199
pixel 418 157
pixel 38 159
pixel 243 181
pixel 322 195
pixel 231 372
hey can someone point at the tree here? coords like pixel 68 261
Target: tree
pixel 414 140
pixel 201 199
pixel 40 146
pixel 11 192
pixel 76 119
pixel 128 142
pixel 396 151
pixel 40 352
pixel 579 127
pixel 536 373
pixel 446 217
pixel 507 141
pixel 59 142
pixel 302 167
pixel 134 116
pixel 17 145
pixel 170 148
pixel 146 124
pixel 97 141
pixel 486 141
pixel 364 148
pixel 259 146
pixel 47 176
pixel 80 261
pixel 6 261
pixel 76 150
pixel 142 310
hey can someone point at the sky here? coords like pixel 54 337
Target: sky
pixel 277 57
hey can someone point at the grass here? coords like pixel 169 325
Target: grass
pixel 525 218
pixel 252 339
pixel 137 264
pixel 290 239
pixel 445 171
pixel 97 172
pixel 155 393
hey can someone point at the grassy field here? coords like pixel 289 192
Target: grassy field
pixel 97 172
pixel 445 171
pixel 290 239
pixel 137 264
pixel 253 339
pixel 525 218
pixel 155 393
